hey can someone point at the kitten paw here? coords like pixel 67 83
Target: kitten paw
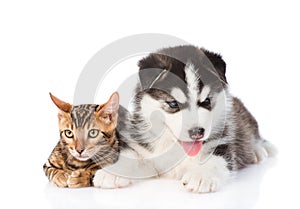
pixel 197 183
pixel 60 180
pixel 78 179
pixel 106 180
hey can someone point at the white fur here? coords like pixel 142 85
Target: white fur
pixel 192 81
pixel 178 94
pixel 106 180
pixel 204 93
pixel 164 128
pixel 195 116
pixel 271 150
pixel 207 177
pixel 220 112
pixel 149 106
pixel 263 149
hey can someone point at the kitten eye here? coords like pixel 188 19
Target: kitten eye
pixel 93 133
pixel 69 133
pixel 173 104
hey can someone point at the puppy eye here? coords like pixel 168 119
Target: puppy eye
pixel 206 102
pixel 93 133
pixel 173 104
pixel 69 133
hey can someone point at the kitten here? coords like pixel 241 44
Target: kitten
pixel 87 142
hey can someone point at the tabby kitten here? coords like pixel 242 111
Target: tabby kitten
pixel 87 142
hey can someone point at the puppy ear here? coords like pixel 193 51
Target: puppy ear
pixel 109 111
pixel 218 63
pixel 63 106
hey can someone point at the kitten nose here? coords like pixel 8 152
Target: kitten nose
pixel 196 133
pixel 79 150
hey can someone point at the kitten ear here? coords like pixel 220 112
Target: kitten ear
pixel 63 106
pixel 109 110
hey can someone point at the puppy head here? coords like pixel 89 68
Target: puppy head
pixel 186 86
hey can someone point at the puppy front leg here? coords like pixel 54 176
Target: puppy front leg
pixel 129 168
pixel 110 178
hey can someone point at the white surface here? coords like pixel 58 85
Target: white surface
pixel 244 192
pixel 44 46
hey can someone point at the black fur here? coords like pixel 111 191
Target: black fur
pixel 170 64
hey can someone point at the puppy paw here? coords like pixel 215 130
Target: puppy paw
pixel 198 183
pixel 259 154
pixel 207 177
pixel 106 180
pixel 263 149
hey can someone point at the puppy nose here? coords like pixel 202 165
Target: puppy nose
pixel 196 133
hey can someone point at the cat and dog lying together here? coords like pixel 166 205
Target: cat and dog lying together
pixel 185 124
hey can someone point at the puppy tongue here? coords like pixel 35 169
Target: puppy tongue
pixel 191 148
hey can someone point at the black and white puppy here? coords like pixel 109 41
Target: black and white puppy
pixel 185 124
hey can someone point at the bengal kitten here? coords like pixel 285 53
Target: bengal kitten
pixel 87 142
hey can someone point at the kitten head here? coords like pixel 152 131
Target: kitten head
pixel 88 130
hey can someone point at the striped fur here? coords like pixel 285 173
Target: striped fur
pixel 78 154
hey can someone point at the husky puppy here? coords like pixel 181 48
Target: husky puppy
pixel 185 124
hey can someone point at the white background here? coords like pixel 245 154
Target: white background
pixel 45 45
